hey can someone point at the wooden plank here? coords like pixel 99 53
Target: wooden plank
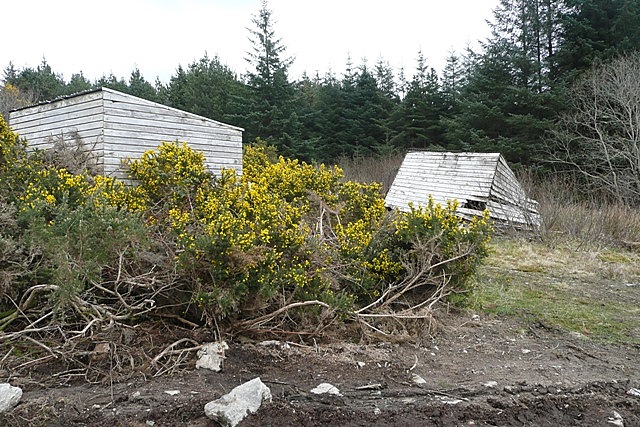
pixel 422 182
pixel 459 193
pixel 115 97
pixel 164 133
pixel 149 142
pixel 418 186
pixel 442 173
pixel 56 105
pixel 44 117
pixel 85 130
pixel 129 126
pixel 155 118
pixel 464 177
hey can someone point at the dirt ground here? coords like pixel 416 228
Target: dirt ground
pixel 476 371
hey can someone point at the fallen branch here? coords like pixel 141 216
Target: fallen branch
pixel 254 323
pixel 169 349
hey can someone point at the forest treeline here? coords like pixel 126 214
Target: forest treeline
pixel 507 97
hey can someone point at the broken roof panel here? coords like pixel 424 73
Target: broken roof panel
pixel 478 181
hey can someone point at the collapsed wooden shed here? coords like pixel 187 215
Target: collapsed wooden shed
pixel 478 181
pixel 113 126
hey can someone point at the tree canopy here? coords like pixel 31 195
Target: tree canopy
pixel 507 96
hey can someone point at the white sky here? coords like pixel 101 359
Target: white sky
pixel 101 37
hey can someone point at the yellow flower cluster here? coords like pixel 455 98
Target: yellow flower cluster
pixel 161 174
pixel 54 186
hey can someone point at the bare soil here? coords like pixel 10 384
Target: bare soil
pixel 471 369
pixel 481 371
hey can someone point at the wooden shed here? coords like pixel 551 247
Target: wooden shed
pixel 478 181
pixel 114 126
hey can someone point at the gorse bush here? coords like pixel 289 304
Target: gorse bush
pixel 285 243
pixel 286 231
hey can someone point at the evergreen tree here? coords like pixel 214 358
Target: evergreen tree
pixel 508 104
pixel 369 115
pixel 307 107
pixel 78 83
pixel 271 94
pixel 42 82
pixel 596 30
pixel 453 80
pixel 334 119
pixel 207 88
pixel 140 87
pixel 418 115
pixel 112 82
pixel 390 100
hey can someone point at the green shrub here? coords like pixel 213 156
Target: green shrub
pixel 232 248
pixel 286 232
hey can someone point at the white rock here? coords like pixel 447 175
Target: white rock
pixel 211 356
pixel 634 392
pixel 326 388
pixel 9 396
pixel 243 400
pixel 616 420
pixel 172 392
pixel 417 379
pixel 490 384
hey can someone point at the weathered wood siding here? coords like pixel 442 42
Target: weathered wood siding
pixel 443 176
pixel 68 118
pixel 133 126
pixel 478 181
pixel 116 126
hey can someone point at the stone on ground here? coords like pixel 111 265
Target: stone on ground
pixel 211 356
pixel 243 400
pixel 9 396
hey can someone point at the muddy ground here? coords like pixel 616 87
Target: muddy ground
pixel 479 371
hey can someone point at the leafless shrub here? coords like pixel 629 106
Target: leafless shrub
pixel 587 219
pixel 70 152
pixel 373 169
pixel 600 136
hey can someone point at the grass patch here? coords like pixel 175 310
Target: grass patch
pixel 594 293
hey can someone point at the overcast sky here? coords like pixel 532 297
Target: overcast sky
pixel 116 36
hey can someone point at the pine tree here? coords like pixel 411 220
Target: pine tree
pixel 78 83
pixel 208 88
pixel 508 103
pixel 140 87
pixel 271 103
pixel 596 30
pixel 41 82
pixel 417 118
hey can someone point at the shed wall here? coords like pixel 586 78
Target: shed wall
pixel 116 126
pixel 80 117
pixel 133 126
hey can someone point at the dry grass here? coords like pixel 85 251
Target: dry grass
pixel 373 169
pixel 584 220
